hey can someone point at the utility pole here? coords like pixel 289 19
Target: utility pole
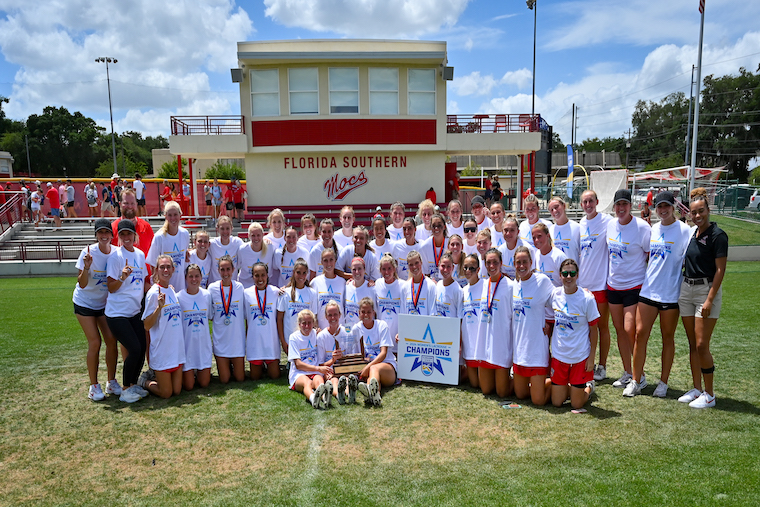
pixel 688 128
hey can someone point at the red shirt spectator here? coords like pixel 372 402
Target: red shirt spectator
pixel 166 195
pixel 430 194
pixel 52 196
pixel 2 194
pixel 234 194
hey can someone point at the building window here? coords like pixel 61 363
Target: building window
pixel 303 85
pixel 383 91
pixel 265 92
pixel 421 91
pixel 344 91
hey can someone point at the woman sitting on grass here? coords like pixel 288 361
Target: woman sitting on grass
pixel 573 340
pixel 376 345
pixel 306 376
pixel 166 344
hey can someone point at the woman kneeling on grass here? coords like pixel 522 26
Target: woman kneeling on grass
pixel 262 344
pixel 306 376
pixel 376 345
pixel 229 323
pixel 166 344
pixel 197 309
pixel 573 340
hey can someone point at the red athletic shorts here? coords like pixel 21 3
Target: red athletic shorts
pixel 171 370
pixel 530 371
pixel 260 362
pixel 489 366
pixel 473 363
pixel 573 374
pixel 600 295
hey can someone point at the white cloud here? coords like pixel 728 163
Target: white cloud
pixel 452 107
pixel 520 78
pixel 473 84
pixel 165 53
pixel 367 18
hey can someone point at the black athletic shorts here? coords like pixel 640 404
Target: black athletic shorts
pixel 658 305
pixel 88 312
pixel 628 297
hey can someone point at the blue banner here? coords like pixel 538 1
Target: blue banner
pixel 570 166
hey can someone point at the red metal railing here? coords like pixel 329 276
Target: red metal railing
pixel 483 123
pixel 11 210
pixel 207 125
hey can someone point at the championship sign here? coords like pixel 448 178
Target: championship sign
pixel 428 349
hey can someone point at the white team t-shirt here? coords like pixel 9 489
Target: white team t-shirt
pixel 448 299
pixel 175 247
pixel 396 234
pixel 305 299
pixel 307 244
pixel 386 247
pixel 371 270
pixel 229 339
pixel 342 240
pixel 247 258
pixel 262 343
pixel 628 246
pixel 401 252
pixel 204 264
pixel 127 300
pixel 431 255
pixel 497 237
pixel 530 299
pixel 167 340
pixel 388 299
pixel 374 339
pixel 594 255
pixel 508 257
pixel 549 264
pixel 217 250
pixel 421 234
pixel 275 241
pixel 572 315
pixel 197 310
pixel 495 347
pixel 315 257
pixel 95 293
pixel 284 261
pixel 424 293
pixel 354 295
pixel 525 230
pixel 328 289
pixel 567 238
pixel 667 248
pixel 305 348
pixel 487 223
pixel 471 320
pixel 456 230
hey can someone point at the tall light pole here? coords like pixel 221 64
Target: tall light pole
pixel 107 60
pixel 532 6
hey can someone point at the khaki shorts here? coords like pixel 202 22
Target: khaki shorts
pixel 693 296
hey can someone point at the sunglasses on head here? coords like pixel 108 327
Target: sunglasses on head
pixel 568 273
pixel 470 229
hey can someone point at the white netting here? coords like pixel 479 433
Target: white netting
pixel 605 184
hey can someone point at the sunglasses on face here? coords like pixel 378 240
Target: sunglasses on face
pixel 470 229
pixel 469 268
pixel 568 273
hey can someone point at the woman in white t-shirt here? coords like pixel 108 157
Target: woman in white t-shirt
pixel 172 240
pixel 397 214
pixel 309 236
pixel 456 247
pixel 357 288
pixel 389 296
pixel 381 243
pixel 472 334
pixel 455 225
pixel 432 248
pixel 229 322
pixel 306 375
pixel 628 244
pixel 275 224
pixel 484 245
pixel 402 249
pixel 197 310
pixel 326 229
pixel 223 244
pixel 531 218
pixel 262 342
pixel 329 286
pixel 566 234
pixel 495 347
pixel 448 293
pixel 90 295
pixel 511 242
pixel 126 288
pixel 297 296
pixel 286 257
pixel 573 340
pixel 425 212
pixel 331 341
pixel 163 318
pixel 470 229
pixel 593 263
pixel 377 343
pixel 345 235
pixel 419 290
pixel 200 256
pixel 548 257
pixel 257 250
pixel 497 229
pixel 360 248
pixel 659 293
pixel 531 294
pixel 480 213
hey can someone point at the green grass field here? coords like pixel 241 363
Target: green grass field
pixel 256 443
pixel 740 232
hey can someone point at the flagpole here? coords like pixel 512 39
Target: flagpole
pixel 693 167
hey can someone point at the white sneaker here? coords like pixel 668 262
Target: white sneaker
pixel 592 385
pixel 623 381
pixel 327 396
pixel 690 395
pixel 374 392
pixel 632 389
pixel 144 378
pixel 643 382
pixel 353 385
pixel 142 393
pixel 661 390
pixel 704 401
pixel 600 372
pixel 342 385
pixel 129 395
pixel 364 390
pixel 95 393
pixel 316 400
pixel 113 387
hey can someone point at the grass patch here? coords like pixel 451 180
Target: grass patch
pixel 740 232
pixel 257 443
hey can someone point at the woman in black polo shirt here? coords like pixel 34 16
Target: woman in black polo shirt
pixel 700 299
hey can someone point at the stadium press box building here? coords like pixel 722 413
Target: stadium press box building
pixel 349 122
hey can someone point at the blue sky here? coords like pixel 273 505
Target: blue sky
pixel 174 58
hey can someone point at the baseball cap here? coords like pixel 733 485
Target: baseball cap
pixel 665 196
pixel 102 223
pixel 49 184
pixel 127 225
pixel 622 195
pixel 477 200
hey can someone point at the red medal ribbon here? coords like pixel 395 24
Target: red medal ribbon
pixel 490 295
pixel 415 299
pixel 437 255
pixel 262 308
pixel 225 304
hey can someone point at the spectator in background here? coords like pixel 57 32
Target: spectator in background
pixel 166 194
pixel 216 198
pixel 114 180
pixel 234 195
pixel 2 192
pixel 129 212
pixel 496 189
pixel 92 200
pixel 207 196
pixel 55 204
pixel 117 197
pixel 36 200
pixel 430 194
pixel 489 192
pixel 26 201
pixel 650 197
pixel 70 196
pixel 62 196
pixel 106 199
pixel 139 187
